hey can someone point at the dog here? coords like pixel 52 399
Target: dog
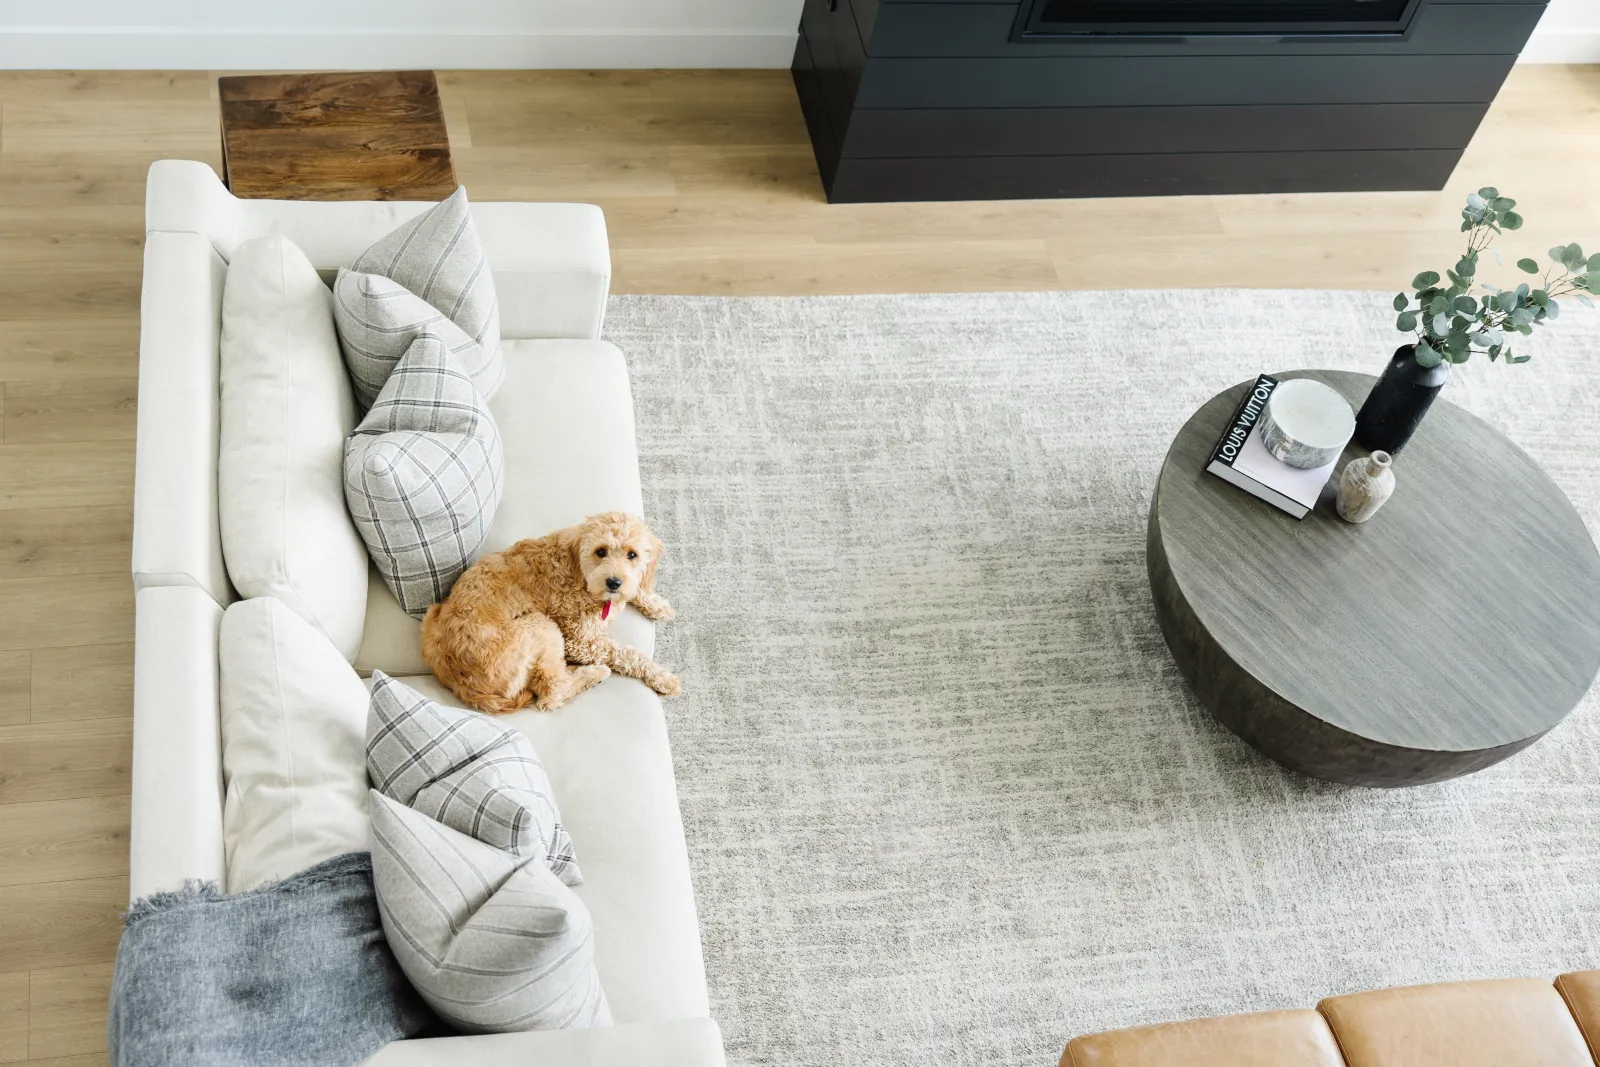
pixel 512 624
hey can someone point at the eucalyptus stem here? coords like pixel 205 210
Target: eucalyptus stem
pixel 1449 322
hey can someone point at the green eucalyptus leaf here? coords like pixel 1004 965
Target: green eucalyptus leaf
pixel 1439 325
pixel 1461 356
pixel 1466 225
pixel 1594 263
pixel 1424 280
pixel 1558 253
pixel 1511 220
pixel 1488 192
pixel 1427 356
pixel 1503 203
pixel 1520 359
pixel 1465 305
pixel 1439 304
pixel 1528 265
pixel 1458 284
pixel 1540 297
pixel 1523 291
pixel 1505 301
pixel 1552 308
pixel 1407 321
pixel 1480 339
pixel 1585 301
pixel 1400 301
pixel 1521 317
pixel 1494 353
pixel 1466 267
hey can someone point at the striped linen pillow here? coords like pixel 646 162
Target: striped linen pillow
pixel 423 474
pixel 379 318
pixel 471 773
pixel 439 261
pixel 492 941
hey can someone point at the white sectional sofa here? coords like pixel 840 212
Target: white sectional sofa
pixel 565 415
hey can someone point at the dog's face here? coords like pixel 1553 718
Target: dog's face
pixel 617 555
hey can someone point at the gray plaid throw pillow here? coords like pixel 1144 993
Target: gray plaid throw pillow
pixel 492 941
pixel 378 318
pixel 468 771
pixel 422 475
pixel 438 257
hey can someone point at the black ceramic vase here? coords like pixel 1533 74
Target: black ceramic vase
pixel 1398 401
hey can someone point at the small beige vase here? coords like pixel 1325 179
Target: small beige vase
pixel 1363 487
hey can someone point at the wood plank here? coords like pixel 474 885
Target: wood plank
pixel 984 29
pixel 93 682
pixel 67 1010
pixel 95 474
pixel 178 127
pixel 98 1059
pixel 13 1016
pixel 16 687
pixel 40 542
pixel 64 761
pixel 1040 131
pixel 371 135
pixel 61 924
pixel 81 347
pixel 63 610
pixel 999 177
pixel 59 840
pixel 1149 81
pixel 77 409
pixel 561 173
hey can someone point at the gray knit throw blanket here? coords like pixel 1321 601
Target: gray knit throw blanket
pixel 297 972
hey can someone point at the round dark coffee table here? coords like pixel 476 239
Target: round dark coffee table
pixel 1451 630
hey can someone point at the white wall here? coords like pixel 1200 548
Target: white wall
pixel 352 34
pixel 1569 32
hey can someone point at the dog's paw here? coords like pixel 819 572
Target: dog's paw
pixel 665 684
pixel 594 673
pixel 656 609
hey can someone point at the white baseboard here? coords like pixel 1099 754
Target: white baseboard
pixel 1563 46
pixel 139 48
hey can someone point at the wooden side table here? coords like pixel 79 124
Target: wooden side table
pixel 366 136
pixel 1451 630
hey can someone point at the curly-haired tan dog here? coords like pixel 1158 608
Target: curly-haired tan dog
pixel 503 637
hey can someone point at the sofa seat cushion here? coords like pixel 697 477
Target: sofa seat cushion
pixel 286 408
pixel 611 768
pixel 565 414
pixel 1498 1023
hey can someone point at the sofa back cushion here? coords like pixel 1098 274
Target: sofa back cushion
pixel 293 733
pixel 493 941
pixel 422 475
pixel 286 410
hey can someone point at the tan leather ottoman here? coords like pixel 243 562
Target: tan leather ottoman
pixel 1514 1022
pixel 1263 1039
pixel 1581 991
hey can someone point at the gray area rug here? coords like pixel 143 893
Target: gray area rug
pixel 948 800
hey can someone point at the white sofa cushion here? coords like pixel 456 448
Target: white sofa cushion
pixel 680 1043
pixel 610 763
pixel 286 411
pixel 423 474
pixel 493 941
pixel 565 415
pixel 469 772
pixel 379 318
pixel 294 766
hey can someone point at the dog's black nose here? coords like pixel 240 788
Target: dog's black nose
pixel 613 584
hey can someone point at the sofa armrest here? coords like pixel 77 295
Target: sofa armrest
pixel 176 831
pixel 680 1043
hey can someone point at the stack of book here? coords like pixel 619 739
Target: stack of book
pixel 1242 459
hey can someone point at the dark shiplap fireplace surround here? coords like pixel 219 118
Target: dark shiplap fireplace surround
pixel 979 99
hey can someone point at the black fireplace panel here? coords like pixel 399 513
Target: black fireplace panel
pixel 1183 18
pixel 948 99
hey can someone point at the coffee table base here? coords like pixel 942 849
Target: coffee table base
pixel 1274 726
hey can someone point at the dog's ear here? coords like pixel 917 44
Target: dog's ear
pixel 647 584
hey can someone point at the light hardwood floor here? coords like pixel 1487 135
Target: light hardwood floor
pixel 708 185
